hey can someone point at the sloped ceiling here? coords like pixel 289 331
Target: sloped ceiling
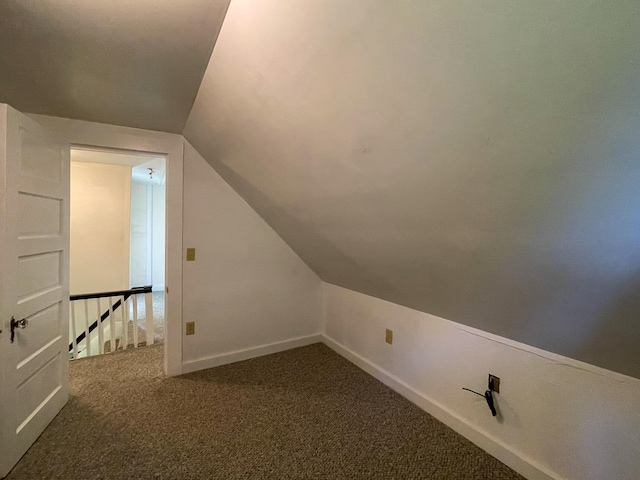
pixel 479 161
pixel 136 63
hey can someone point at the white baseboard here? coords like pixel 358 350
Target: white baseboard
pixel 246 354
pixel 489 444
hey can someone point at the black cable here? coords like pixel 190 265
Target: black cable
pixel 488 396
pixel 473 391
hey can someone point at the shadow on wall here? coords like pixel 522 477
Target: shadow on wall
pixel 616 327
pixel 481 167
pixel 539 277
pixel 302 234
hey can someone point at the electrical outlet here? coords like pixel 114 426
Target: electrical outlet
pixel 191 254
pixel 494 383
pixel 191 328
pixel 388 337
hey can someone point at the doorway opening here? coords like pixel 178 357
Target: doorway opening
pixel 117 250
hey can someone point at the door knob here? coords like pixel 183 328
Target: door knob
pixel 17 324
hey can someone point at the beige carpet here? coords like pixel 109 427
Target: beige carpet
pixel 304 413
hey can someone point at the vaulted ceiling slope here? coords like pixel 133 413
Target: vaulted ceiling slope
pixel 136 63
pixel 479 161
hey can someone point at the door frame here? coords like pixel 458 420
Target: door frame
pixel 83 134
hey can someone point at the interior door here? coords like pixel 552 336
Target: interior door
pixel 34 283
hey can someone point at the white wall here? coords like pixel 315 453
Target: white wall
pixel 247 291
pixel 138 261
pixel 560 418
pixel 473 160
pixel 100 205
pixel 147 234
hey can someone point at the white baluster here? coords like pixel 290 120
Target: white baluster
pixel 125 322
pixel 87 337
pixel 73 329
pixel 135 321
pixel 100 328
pixel 149 314
pixel 112 325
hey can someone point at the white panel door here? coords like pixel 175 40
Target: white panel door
pixel 34 283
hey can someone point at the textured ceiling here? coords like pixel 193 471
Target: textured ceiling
pixel 136 63
pixel 479 161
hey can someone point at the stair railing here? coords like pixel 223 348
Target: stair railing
pixel 107 322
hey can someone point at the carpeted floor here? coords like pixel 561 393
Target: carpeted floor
pixel 304 413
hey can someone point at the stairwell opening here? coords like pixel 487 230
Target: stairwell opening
pixel 117 243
